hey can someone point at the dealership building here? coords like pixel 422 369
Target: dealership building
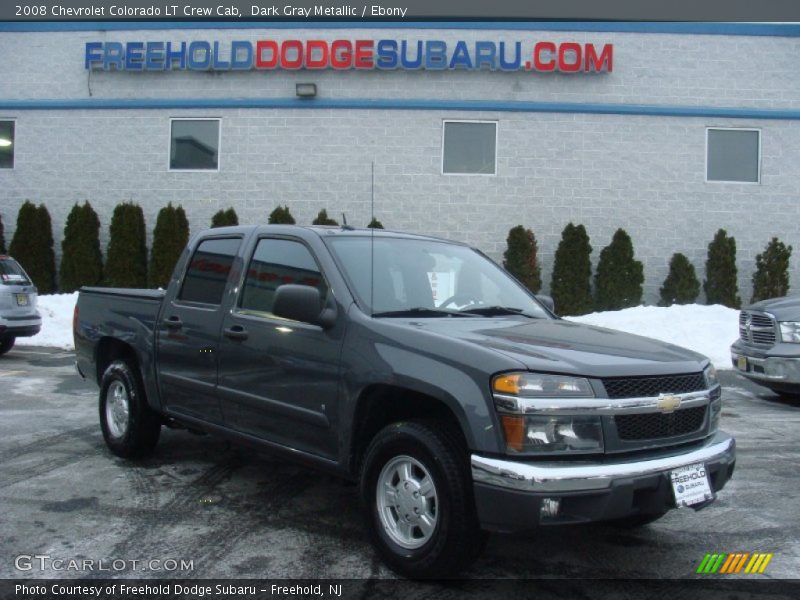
pixel 458 130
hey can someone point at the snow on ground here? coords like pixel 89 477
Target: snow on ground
pixel 709 330
pixel 56 311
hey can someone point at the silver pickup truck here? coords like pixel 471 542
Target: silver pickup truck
pixel 768 348
pixel 18 314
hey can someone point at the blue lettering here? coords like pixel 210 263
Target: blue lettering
pixel 134 55
pixel 92 54
pixel 154 56
pixel 241 62
pixel 461 57
pixel 435 55
pixel 179 55
pixel 219 65
pixel 203 63
pixel 113 55
pixel 404 61
pixel 386 50
pixel 485 54
pixel 510 66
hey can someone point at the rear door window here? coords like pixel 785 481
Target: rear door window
pixel 12 274
pixel 207 273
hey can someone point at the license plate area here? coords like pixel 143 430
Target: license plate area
pixel 22 299
pixel 741 363
pixel 690 485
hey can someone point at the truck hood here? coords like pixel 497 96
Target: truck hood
pixel 783 309
pixel 562 346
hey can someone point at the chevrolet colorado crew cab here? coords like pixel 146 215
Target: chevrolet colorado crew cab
pixel 420 369
pixel 18 295
pixel 768 348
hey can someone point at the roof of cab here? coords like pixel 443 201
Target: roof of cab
pixel 326 231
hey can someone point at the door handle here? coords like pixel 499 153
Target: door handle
pixel 173 322
pixel 237 332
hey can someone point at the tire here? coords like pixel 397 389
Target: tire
pixel 635 521
pixel 130 427
pixel 6 344
pixel 441 535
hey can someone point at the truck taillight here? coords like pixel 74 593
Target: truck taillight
pixel 75 317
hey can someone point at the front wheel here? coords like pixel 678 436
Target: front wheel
pixel 6 344
pixel 130 427
pixel 418 500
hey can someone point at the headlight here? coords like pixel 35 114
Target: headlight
pixel 533 434
pixel 537 385
pixel 716 413
pixel 710 374
pixel 547 434
pixel 790 331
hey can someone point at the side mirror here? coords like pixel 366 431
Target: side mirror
pixel 547 301
pixel 302 303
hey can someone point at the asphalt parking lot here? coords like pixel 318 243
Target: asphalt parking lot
pixel 235 514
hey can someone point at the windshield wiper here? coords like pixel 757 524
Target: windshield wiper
pixel 421 311
pixel 491 311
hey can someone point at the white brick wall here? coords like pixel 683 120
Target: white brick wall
pixel 643 173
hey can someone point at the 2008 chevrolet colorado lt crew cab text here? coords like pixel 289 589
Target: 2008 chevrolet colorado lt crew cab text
pixel 417 367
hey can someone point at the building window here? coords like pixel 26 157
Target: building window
pixel 277 262
pixel 194 145
pixel 207 273
pixel 6 144
pixel 733 155
pixel 469 148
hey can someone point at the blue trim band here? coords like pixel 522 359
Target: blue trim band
pixel 401 104
pixel 748 29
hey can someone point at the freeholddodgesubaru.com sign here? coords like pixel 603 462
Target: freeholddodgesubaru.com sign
pixel 385 54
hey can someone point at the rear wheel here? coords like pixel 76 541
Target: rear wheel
pixel 130 427
pixel 6 344
pixel 417 497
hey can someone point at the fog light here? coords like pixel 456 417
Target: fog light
pixel 550 508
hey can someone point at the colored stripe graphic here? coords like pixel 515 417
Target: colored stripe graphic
pixel 733 563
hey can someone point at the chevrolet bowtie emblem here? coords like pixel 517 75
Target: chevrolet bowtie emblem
pixel 667 403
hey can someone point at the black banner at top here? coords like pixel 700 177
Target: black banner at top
pixel 401 10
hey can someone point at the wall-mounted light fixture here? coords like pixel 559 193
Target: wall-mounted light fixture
pixel 4 143
pixel 306 90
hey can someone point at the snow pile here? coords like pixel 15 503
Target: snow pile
pixel 709 330
pixel 56 311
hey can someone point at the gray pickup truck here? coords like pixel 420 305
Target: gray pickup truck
pixel 768 348
pixel 420 369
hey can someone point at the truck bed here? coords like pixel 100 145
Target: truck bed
pixel 127 315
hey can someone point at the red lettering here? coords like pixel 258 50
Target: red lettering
pixel 261 62
pixel 286 48
pixel 341 54
pixel 364 56
pixel 563 62
pixel 313 62
pixel 537 56
pixel 604 62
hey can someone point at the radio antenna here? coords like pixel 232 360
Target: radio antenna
pixel 372 241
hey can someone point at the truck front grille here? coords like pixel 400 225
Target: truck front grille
pixel 650 426
pixel 756 328
pixel 649 387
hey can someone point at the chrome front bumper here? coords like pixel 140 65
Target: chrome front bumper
pixel 771 368
pixel 575 476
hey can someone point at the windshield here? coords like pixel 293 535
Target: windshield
pixel 11 273
pixel 429 279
